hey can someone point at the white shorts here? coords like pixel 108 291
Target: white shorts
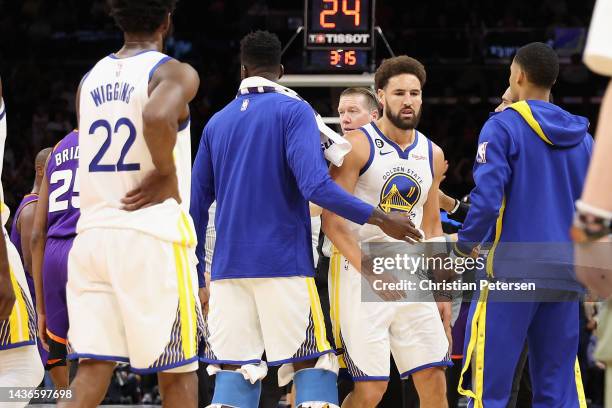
pixel 19 329
pixel 133 298
pixel 19 368
pixel 366 332
pixel 279 315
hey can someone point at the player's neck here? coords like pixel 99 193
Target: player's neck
pixel 135 43
pixel 537 94
pixel 402 137
pixel 270 76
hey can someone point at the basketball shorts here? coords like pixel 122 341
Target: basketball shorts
pixel 365 333
pixel 55 276
pixel 133 298
pixel 20 328
pixel 279 315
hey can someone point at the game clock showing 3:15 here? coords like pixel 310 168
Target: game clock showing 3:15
pixel 339 33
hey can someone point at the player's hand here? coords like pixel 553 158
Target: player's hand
pixel 396 225
pixel 445 309
pixel 204 296
pixel 387 295
pixel 42 331
pixel 7 296
pixel 155 188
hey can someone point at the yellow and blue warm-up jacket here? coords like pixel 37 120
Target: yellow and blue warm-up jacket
pixel 531 163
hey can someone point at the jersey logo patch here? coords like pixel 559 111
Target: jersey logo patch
pixel 400 193
pixel 418 157
pixel 245 105
pixel 386 153
pixel 481 155
pixel 379 143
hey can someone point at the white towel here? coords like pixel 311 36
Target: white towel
pixel 334 146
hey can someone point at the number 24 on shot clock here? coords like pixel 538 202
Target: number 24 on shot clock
pixel 336 24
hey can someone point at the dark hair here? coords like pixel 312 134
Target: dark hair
pixel 370 96
pixel 140 16
pixel 396 66
pixel 260 49
pixel 540 63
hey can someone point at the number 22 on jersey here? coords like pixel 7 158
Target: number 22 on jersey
pixel 111 131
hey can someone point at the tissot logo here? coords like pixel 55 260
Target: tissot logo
pixel 333 39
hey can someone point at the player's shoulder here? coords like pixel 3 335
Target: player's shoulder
pixel 361 147
pixel 358 137
pixel 502 123
pixel 171 68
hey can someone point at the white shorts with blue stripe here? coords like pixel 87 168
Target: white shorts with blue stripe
pixel 366 333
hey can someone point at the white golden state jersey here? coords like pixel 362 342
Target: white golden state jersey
pixel 394 179
pixel 114 157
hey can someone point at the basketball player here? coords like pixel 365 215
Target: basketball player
pixel 20 364
pixel 53 233
pixel 260 158
pixel 21 231
pixel 132 289
pixel 370 331
pixel 532 151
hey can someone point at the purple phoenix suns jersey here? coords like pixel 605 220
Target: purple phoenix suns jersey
pixel 16 235
pixel 63 188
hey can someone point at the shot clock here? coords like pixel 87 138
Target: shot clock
pixel 336 24
pixel 339 33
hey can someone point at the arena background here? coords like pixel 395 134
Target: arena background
pixel 466 46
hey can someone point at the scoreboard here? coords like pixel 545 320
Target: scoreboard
pixel 339 34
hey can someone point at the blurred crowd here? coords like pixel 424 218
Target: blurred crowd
pixel 57 42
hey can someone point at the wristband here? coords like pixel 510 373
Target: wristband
pixel 456 207
pixel 590 223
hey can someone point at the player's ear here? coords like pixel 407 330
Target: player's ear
pixel 381 97
pixel 165 27
pixel 281 71
pixel 374 114
pixel 521 77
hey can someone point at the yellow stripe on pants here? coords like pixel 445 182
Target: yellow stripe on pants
pixel 335 302
pixel 579 388
pixel 317 316
pixel 18 320
pixel 477 346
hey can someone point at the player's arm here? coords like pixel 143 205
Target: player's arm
pixel 172 87
pixel 37 246
pixel 39 239
pixel 492 173
pixel 7 295
pixel 596 188
pixel 303 149
pixel 431 225
pixel 202 196
pixel 346 176
pixel 24 226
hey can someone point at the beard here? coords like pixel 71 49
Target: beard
pixel 404 124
